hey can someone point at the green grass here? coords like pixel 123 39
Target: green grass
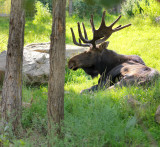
pixel 4 31
pixel 97 119
pixel 102 118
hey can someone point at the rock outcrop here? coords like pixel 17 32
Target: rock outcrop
pixel 36 62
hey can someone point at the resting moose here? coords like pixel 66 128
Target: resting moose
pixel 115 69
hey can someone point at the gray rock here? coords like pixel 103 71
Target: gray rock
pixel 157 115
pixel 133 103
pixel 36 62
pixel 38 47
pixel 157 19
pixel 35 67
pixel 44 48
pixel 2 61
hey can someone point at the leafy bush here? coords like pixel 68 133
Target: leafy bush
pixel 104 3
pixel 29 6
pixel 42 13
pixel 128 6
pixel 5 6
pixel 82 9
pixel 144 7
pixel 1 2
pixel 49 2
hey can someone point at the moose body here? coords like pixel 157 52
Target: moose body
pixel 114 69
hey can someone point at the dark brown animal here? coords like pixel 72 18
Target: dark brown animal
pixel 115 69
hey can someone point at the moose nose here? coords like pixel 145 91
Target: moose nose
pixel 70 65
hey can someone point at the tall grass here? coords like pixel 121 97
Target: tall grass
pixel 102 118
pixel 144 7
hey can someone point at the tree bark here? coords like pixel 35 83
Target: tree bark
pixel 12 86
pixel 70 7
pixel 57 69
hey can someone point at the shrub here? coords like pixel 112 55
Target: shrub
pixel 42 13
pixel 1 2
pixel 82 9
pixel 128 6
pixel 5 6
pixel 49 2
pixel 29 6
pixel 144 7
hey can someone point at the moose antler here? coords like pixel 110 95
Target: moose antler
pixel 100 35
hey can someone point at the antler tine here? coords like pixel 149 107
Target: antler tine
pixel 74 38
pixel 75 42
pixel 81 36
pixel 103 24
pixel 92 24
pixel 85 33
pixel 101 40
pixel 97 34
pixel 80 43
pixel 120 28
pixel 115 21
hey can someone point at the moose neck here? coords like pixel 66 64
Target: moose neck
pixel 109 60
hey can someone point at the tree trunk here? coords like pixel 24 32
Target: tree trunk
pixel 57 68
pixel 70 7
pixel 12 85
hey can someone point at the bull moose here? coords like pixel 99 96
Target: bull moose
pixel 114 69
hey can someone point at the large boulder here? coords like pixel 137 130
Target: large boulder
pixel 36 62
pixel 44 48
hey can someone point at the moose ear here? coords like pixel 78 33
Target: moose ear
pixel 103 45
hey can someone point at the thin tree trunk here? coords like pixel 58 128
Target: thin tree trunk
pixel 12 86
pixel 70 7
pixel 57 68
